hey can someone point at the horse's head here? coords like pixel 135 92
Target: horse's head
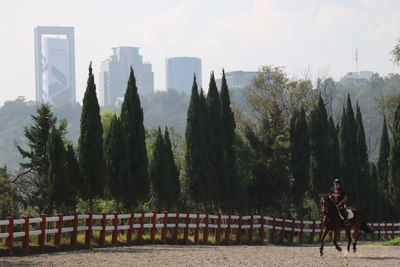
pixel 324 202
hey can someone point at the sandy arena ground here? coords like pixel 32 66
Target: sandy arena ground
pixel 168 255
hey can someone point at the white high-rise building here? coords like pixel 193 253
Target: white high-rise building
pixel 114 74
pixel 55 65
pixel 180 72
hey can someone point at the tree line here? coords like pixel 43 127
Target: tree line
pixel 275 160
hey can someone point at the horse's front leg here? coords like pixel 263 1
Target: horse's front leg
pixel 335 237
pixel 348 235
pixel 321 249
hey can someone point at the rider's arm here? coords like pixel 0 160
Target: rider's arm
pixel 344 199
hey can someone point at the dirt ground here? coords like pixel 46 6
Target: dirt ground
pixel 175 255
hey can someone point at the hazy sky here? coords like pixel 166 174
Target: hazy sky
pixel 319 35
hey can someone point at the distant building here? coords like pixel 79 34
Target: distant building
pixel 55 65
pixel 238 79
pixel 357 77
pixel 114 74
pixel 180 71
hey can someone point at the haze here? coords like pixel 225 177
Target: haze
pixel 319 37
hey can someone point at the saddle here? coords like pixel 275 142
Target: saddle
pixel 350 214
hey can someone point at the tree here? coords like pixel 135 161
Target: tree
pixel 300 157
pixel 172 170
pixel 132 123
pixel 348 148
pixel 74 175
pixel 320 178
pixel 364 171
pixel 57 179
pixel 8 195
pixel 333 152
pixel 38 164
pixel 394 163
pixel 228 136
pixel 396 53
pixel 215 144
pixel 383 160
pixel 116 159
pixel 91 157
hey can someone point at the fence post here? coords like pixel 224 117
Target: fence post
pixel 261 230
pixel 140 232
pixel 218 230
pixel 313 230
pixel 292 231
pixel 153 221
pixel 239 229
pixel 282 233
pixel 129 232
pixel 74 232
pixel 165 228
pixel 385 230
pixel 42 227
pixel 301 231
pixel 114 237
pixel 205 231
pixel 228 230
pixel 59 224
pixel 321 228
pixel 175 230
pixel 196 231
pixel 186 231
pixel 250 232
pixel 102 238
pixel 88 233
pixel 25 229
pixel 10 231
pixel 392 230
pixel 272 231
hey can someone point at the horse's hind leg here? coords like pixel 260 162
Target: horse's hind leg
pixel 335 237
pixel 356 234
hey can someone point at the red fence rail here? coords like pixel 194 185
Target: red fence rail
pixel 178 226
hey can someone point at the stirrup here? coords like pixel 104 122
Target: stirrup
pixel 346 222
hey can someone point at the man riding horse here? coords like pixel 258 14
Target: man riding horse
pixel 339 196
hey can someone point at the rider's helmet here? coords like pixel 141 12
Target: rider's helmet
pixel 337 181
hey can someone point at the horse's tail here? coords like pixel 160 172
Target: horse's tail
pixel 364 227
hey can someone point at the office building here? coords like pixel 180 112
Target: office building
pixel 55 65
pixel 114 74
pixel 180 72
pixel 238 79
pixel 357 77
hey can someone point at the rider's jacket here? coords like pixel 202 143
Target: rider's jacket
pixel 337 195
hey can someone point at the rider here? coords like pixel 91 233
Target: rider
pixel 339 196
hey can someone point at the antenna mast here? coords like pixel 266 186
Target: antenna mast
pixel 356 60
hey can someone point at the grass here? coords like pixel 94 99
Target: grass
pixel 392 242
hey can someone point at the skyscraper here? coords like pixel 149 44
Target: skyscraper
pixel 180 71
pixel 55 64
pixel 114 74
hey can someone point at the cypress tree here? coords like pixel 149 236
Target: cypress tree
pixel 158 172
pixel 364 171
pixel 57 179
pixel 216 156
pixel 375 209
pixel 132 122
pixel 116 159
pixel 228 136
pixel 196 186
pixel 173 172
pixel 320 178
pixel 348 151
pixel 300 157
pixel 333 152
pixel 394 163
pixel 74 177
pixel 383 161
pixel 91 157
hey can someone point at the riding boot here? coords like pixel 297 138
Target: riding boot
pixel 345 220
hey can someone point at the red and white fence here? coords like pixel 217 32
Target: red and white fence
pixel 224 228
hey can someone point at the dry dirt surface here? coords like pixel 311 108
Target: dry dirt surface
pixel 174 255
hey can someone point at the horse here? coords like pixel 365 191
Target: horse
pixel 333 222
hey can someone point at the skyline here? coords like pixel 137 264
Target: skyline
pixel 306 35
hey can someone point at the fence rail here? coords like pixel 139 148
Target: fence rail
pixel 225 228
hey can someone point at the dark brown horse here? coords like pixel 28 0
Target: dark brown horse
pixel 333 222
